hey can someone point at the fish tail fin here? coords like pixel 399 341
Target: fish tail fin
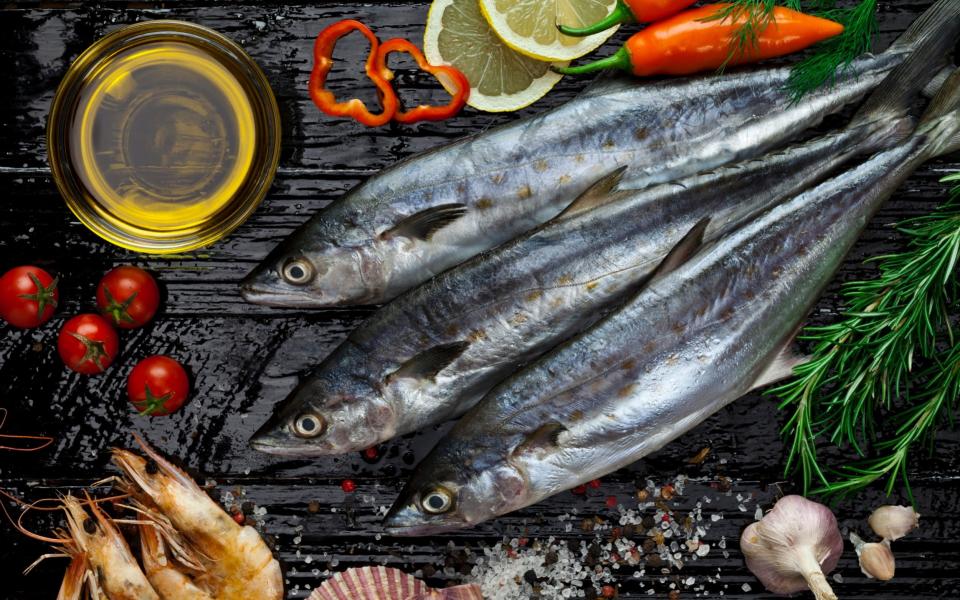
pixel 942 20
pixel 932 37
pixel 941 123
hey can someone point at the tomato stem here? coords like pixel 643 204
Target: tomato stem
pixel 118 310
pixel 152 405
pixel 44 296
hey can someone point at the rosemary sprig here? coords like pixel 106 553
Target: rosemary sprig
pixel 821 68
pixel 863 362
pixel 936 403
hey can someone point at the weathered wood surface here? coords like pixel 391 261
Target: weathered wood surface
pixel 245 358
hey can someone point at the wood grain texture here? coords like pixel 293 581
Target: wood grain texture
pixel 245 358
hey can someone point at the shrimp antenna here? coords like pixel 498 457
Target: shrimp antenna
pixel 45 440
pixel 18 525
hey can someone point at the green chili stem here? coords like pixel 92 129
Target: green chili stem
pixel 618 60
pixel 621 14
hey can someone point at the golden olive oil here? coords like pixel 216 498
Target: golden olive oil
pixel 164 136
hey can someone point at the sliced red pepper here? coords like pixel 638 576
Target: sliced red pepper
pixel 323 62
pixel 452 79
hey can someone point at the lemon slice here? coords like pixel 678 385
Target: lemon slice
pixel 530 26
pixel 501 79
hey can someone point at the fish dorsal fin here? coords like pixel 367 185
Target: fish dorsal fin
pixel 428 363
pixel 425 223
pixel 597 194
pixel 780 368
pixel 683 250
pixel 542 438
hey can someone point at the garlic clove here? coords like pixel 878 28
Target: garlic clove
pixel 793 546
pixel 893 522
pixel 877 561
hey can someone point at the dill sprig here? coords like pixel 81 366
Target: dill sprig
pixel 831 56
pixel 835 54
pixel 863 363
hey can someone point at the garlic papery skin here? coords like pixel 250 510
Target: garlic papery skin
pixel 893 522
pixel 793 546
pixel 876 559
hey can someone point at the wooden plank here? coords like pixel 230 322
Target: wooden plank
pixel 245 358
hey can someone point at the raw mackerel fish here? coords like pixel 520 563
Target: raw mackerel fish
pixel 436 210
pixel 693 340
pixel 434 352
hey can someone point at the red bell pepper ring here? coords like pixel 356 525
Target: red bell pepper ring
pixel 323 62
pixel 451 78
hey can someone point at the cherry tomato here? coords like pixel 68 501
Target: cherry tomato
pixel 88 344
pixel 158 386
pixel 128 296
pixel 28 296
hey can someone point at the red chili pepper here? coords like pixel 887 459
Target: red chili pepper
pixel 452 79
pixel 697 40
pixel 631 11
pixel 323 62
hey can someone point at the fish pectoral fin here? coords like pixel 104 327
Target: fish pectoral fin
pixel 683 250
pixel 428 363
pixel 599 193
pixel 542 438
pixel 424 224
pixel 781 368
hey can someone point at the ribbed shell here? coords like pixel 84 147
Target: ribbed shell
pixel 382 583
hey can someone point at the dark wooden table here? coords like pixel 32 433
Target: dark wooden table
pixel 245 358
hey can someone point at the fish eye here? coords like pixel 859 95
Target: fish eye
pixel 309 425
pixel 298 271
pixel 437 501
pixel 89 526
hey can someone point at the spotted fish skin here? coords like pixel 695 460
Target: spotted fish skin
pixel 426 214
pixel 684 347
pixel 481 321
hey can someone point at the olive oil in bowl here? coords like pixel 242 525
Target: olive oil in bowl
pixel 164 136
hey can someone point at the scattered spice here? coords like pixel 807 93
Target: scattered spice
pixel 348 485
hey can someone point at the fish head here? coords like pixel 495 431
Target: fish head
pixel 456 486
pixel 323 264
pixel 334 411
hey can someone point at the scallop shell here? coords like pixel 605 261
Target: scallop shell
pixel 382 583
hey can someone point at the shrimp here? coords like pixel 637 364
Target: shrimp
pixel 237 564
pixel 101 558
pixel 169 581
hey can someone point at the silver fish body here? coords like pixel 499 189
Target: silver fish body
pixel 686 345
pixel 434 352
pixel 436 210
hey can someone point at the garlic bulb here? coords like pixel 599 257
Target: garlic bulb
pixel 893 522
pixel 791 548
pixel 876 559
